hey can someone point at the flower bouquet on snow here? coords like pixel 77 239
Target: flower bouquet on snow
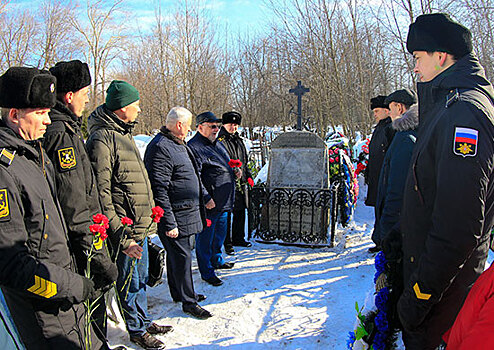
pixel 378 328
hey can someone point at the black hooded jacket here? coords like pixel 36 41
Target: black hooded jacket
pixel 448 205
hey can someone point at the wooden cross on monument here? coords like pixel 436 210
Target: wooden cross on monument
pixel 298 91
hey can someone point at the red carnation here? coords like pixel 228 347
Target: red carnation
pixel 157 213
pixel 250 181
pixel 331 160
pixel 103 236
pixel 100 218
pixel 126 221
pixel 208 222
pixel 94 229
pixel 234 163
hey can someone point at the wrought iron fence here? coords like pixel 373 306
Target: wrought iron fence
pixel 293 215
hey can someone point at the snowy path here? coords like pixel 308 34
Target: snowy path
pixel 275 297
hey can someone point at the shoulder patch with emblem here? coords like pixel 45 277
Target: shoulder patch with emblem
pixel 465 142
pixel 4 205
pixel 66 158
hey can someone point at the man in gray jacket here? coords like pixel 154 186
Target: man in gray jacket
pixel 125 191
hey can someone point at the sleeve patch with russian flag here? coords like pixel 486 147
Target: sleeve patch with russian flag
pixel 465 142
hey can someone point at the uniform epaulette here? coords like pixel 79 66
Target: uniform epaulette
pixel 452 97
pixel 6 157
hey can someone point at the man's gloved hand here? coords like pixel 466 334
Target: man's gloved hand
pixel 104 273
pixel 88 291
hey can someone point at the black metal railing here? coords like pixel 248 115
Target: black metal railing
pixel 293 215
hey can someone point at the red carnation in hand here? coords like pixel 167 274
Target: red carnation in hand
pixel 250 181
pixel 157 213
pixel 103 236
pixel 208 223
pixel 100 218
pixel 126 221
pixel 94 229
pixel 234 163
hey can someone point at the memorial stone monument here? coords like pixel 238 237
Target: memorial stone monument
pixel 298 169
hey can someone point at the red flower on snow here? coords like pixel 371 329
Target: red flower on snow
pixel 157 213
pixel 126 221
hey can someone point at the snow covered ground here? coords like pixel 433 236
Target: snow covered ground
pixel 275 297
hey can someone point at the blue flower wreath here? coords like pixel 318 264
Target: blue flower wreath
pixel 376 320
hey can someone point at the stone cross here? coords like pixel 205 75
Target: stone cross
pixel 298 91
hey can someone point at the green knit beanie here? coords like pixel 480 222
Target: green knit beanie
pixel 120 94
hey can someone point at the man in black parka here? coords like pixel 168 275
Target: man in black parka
pixel 235 146
pixel 77 191
pixel 448 204
pixel 379 143
pixel 177 189
pixel 38 276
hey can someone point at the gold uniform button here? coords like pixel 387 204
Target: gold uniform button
pixel 412 259
pixel 46 216
pixel 415 188
pixel 46 235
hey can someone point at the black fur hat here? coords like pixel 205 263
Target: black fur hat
pixel 437 32
pixel 71 76
pixel 378 102
pixel 23 87
pixel 231 117
pixel 406 96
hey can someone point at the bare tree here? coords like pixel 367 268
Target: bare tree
pixel 102 30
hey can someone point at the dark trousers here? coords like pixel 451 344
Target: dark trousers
pixel 235 228
pixel 179 267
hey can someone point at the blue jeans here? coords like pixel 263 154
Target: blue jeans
pixel 209 243
pixel 133 297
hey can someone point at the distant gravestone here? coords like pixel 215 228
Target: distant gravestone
pixel 298 160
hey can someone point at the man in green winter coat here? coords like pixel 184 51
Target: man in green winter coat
pixel 125 191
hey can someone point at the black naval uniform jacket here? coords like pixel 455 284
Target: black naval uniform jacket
pixel 448 205
pixel 37 274
pixel 380 141
pixel 236 150
pixel 77 191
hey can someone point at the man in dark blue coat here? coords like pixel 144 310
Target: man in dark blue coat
pixel 219 182
pixel 448 203
pixel 404 112
pixel 177 189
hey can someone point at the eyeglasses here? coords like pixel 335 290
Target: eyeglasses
pixel 214 126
